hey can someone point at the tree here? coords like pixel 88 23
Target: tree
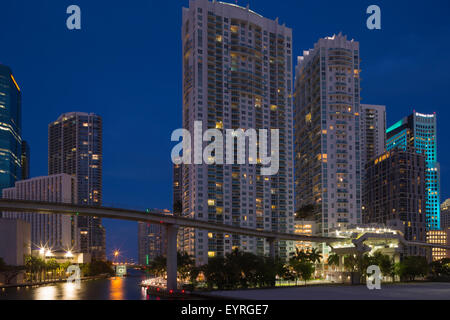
pixel 440 269
pixel 242 270
pixel 97 267
pixel 333 259
pixel 34 266
pixel 215 273
pixel 385 263
pixel 52 265
pixel 158 266
pixel 9 272
pixel 185 265
pixel 305 270
pixel 314 255
pixel 302 263
pixel 412 267
pixel 351 263
pixel 305 212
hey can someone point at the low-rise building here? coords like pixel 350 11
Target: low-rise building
pixel 440 237
pixel 15 241
pixel 54 231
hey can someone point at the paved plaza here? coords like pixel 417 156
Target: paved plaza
pixel 403 291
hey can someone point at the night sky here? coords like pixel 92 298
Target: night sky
pixel 125 65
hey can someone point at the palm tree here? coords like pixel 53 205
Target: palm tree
pixel 351 263
pixel 300 255
pixel 333 259
pixel 315 256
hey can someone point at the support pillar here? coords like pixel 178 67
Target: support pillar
pixel 272 243
pixel 171 232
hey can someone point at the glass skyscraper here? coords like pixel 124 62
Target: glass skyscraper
pixel 11 127
pixel 419 131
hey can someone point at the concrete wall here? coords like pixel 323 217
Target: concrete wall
pixel 15 241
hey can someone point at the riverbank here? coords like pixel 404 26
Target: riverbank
pixel 49 282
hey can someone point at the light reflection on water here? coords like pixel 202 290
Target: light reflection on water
pixel 103 289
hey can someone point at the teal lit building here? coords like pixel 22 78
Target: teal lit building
pixel 11 127
pixel 419 132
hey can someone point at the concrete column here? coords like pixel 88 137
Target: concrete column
pixel 341 262
pixel 272 243
pixel 172 232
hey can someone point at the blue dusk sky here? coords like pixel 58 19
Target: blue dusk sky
pixel 125 65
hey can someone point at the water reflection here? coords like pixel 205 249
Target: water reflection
pixel 103 289
pixel 46 293
pixel 117 288
pixel 70 291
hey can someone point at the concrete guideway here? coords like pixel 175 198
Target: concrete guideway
pixel 172 223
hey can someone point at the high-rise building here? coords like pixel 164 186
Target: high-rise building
pixel 373 131
pixel 237 75
pixel 11 129
pixel 75 148
pixel 305 228
pixel 328 140
pixel 25 161
pixel 419 132
pixel 395 191
pixel 152 240
pixel 445 214
pixel 177 187
pixel 53 231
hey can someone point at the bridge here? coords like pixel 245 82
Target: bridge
pixel 172 223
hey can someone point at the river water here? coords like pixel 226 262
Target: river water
pixel 126 288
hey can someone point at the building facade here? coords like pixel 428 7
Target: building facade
pixel 25 160
pixel 152 241
pixel 445 214
pixel 51 231
pixel 236 75
pixel 176 189
pixel 15 241
pixel 11 129
pixel 419 132
pixel 440 237
pixel 373 131
pixel 305 228
pixel 328 150
pixel 395 190
pixel 75 148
